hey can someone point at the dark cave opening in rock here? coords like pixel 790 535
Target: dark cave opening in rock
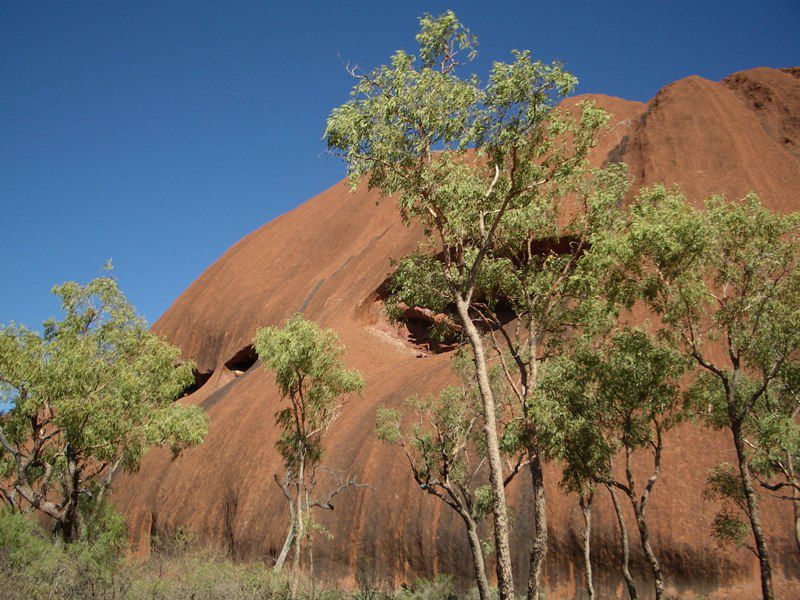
pixel 200 379
pixel 422 328
pixel 242 361
pixel 437 332
pixel 433 332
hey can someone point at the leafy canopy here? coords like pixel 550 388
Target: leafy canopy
pixel 461 154
pixel 614 393
pixel 724 274
pixel 310 373
pixel 727 272
pixel 90 394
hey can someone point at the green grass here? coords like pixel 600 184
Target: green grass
pixel 34 565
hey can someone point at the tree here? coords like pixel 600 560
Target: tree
pixel 640 402
pixel 439 437
pixel 542 282
pixel 613 393
pixel 464 158
pixel 568 421
pixel 310 373
pixel 547 266
pixel 773 442
pixel 775 449
pixel 725 282
pixel 89 396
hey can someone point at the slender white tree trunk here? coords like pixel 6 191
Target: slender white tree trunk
pixel 538 551
pixel 753 513
pixel 300 518
pixel 626 551
pixel 505 579
pixel 796 506
pixel 585 501
pixel 477 556
pixel 287 544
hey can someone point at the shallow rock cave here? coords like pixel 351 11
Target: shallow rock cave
pixel 241 362
pixel 200 379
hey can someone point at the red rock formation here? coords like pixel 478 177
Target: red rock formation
pixel 327 257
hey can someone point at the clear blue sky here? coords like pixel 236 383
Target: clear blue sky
pixel 160 133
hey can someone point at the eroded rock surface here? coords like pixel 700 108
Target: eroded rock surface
pixel 328 257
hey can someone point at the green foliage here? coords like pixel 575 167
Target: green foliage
pixel 418 280
pixel 724 487
pixel 727 273
pixel 309 371
pixel 23 547
pixel 441 437
pixel 498 177
pixel 387 424
pixel 467 160
pixel 199 575
pixel 482 506
pixel 438 588
pixel 775 434
pixel 34 566
pixel 608 394
pixel 727 278
pixel 549 260
pixel 722 483
pixel 728 529
pixel 91 394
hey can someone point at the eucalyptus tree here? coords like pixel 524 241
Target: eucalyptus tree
pixel 310 373
pixel 548 267
pixel 88 396
pixel 463 158
pixel 612 394
pixel 569 431
pixel 775 445
pixel 439 436
pixel 773 442
pixel 725 282
pixel 639 391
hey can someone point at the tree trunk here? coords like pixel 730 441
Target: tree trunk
pixel 791 478
pixel 626 551
pixel 796 506
pixel 585 501
pixel 287 544
pixel 539 546
pixel 505 579
pixel 641 523
pixel 310 542
pixel 753 513
pixel 70 524
pixel 644 536
pixel 477 556
pixel 300 518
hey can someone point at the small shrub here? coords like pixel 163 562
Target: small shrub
pixel 33 565
pixel 438 588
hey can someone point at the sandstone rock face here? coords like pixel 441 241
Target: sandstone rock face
pixel 328 259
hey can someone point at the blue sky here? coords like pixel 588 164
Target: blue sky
pixel 160 133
